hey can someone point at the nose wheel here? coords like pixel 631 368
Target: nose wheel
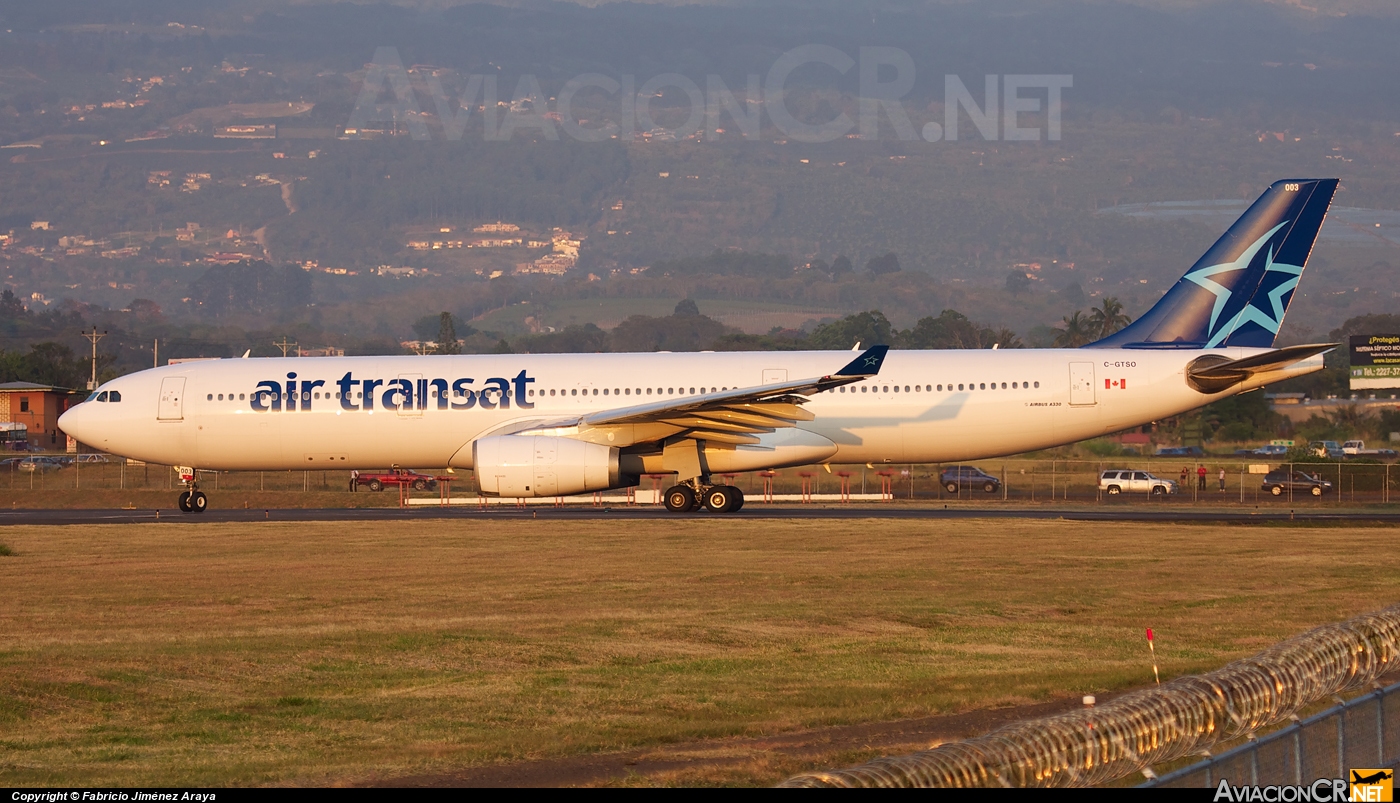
pixel 192 500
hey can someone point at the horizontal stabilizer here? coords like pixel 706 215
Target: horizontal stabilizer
pixel 1214 373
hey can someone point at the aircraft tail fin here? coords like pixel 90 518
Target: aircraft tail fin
pixel 1238 292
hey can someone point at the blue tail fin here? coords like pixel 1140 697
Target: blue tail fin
pixel 1237 294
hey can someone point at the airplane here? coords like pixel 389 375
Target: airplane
pixel 546 425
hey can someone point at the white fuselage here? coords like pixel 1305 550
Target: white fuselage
pixel 924 407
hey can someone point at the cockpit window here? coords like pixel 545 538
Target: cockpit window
pixel 114 396
pixel 91 397
pixel 102 397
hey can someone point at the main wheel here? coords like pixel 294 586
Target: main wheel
pixel 1317 490
pixel 376 485
pixel 738 497
pixel 680 499
pixel 198 502
pixel 1114 490
pixel 722 499
pixel 420 485
pixel 1276 490
pixel 952 487
pixel 185 501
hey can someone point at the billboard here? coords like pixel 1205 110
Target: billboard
pixel 1375 361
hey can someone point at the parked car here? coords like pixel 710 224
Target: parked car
pixel 955 478
pixel 376 480
pixel 1264 451
pixel 1326 449
pixel 93 458
pixel 1122 480
pixel 1181 451
pixel 1280 482
pixel 43 465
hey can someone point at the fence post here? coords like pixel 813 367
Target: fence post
pixel 1297 755
pixel 1341 744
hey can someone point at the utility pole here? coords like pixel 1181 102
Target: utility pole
pixel 287 346
pixel 94 336
pixel 422 349
pixel 155 353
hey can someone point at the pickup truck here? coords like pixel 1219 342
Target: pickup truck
pixel 377 480
pixel 1358 449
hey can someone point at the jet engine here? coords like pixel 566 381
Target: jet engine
pixel 540 465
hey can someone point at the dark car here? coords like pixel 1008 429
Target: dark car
pixel 377 480
pixel 1181 451
pixel 955 478
pixel 1280 482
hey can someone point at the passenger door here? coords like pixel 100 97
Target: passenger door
pixel 1081 383
pixel 172 399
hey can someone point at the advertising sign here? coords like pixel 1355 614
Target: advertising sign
pixel 1375 361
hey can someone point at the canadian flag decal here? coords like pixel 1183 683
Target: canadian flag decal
pixel 1110 384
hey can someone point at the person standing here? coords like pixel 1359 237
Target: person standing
pixel 354 480
pixel 1200 477
pixel 1185 472
pixel 1222 480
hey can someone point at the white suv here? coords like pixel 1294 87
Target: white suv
pixel 1121 480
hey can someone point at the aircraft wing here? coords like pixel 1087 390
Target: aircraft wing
pixel 733 416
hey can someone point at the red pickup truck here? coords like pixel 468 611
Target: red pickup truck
pixel 376 480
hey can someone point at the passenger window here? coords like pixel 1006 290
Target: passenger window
pixel 1003 386
pixel 960 387
pixel 210 397
pixel 1139 475
pixel 1037 384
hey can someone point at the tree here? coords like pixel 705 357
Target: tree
pixel 1073 293
pixel 1007 339
pixel 10 306
pixel 840 266
pixel 1075 332
pixel 447 335
pixel 687 306
pixel 950 330
pixel 882 265
pixel 1107 318
pixel 866 328
pixel 1017 282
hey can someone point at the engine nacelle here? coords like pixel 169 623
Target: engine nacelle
pixel 539 465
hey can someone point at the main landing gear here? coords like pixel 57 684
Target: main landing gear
pixel 192 500
pixel 692 495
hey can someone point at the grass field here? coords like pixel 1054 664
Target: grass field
pixel 331 653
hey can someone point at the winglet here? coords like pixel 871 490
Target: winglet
pixel 867 364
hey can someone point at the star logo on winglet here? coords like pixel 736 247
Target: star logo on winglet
pixel 871 361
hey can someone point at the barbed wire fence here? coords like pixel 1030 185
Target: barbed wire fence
pixel 1181 718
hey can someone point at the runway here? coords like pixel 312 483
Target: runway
pixel 650 512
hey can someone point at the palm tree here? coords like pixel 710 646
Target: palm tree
pixel 1107 318
pixel 1007 339
pixel 1075 332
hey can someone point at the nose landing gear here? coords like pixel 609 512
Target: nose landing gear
pixel 192 500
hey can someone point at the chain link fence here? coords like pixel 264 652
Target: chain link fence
pixel 1362 732
pixel 1176 720
pixel 1010 481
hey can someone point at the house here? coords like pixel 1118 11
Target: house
pixel 39 225
pixel 38 408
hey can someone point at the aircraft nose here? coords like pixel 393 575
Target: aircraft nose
pixel 78 423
